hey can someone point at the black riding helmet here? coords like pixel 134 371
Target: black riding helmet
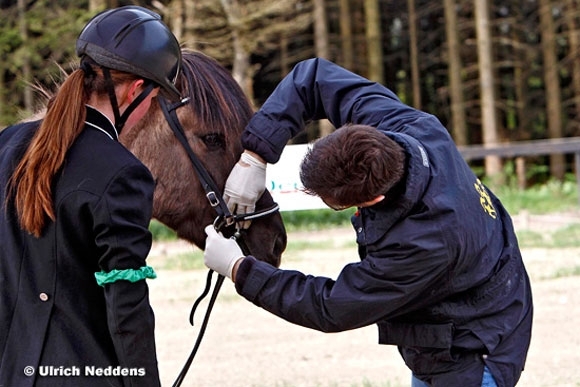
pixel 132 39
pixel 135 40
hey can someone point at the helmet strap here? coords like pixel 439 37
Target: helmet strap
pixel 121 119
pixel 133 105
pixel 113 98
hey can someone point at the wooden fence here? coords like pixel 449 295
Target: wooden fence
pixel 528 148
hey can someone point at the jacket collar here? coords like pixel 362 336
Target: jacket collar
pixel 97 120
pixel 378 219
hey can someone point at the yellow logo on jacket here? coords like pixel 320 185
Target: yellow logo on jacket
pixel 485 199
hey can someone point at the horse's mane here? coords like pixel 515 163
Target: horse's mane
pixel 45 95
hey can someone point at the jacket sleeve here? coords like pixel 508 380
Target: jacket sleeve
pixel 123 239
pixel 380 287
pixel 317 89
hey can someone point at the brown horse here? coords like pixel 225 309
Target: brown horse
pixel 213 120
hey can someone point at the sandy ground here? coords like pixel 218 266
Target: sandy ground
pixel 246 346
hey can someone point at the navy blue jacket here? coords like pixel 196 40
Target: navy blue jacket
pixel 440 269
pixel 52 312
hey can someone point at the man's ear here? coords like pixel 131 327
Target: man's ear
pixel 375 200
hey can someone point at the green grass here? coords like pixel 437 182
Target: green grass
pixel 308 220
pixel 554 196
pixel 182 262
pixel 565 237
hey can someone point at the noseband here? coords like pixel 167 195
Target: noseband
pixel 224 219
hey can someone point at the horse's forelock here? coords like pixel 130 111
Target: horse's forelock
pixel 216 98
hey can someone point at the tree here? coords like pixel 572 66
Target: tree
pixel 486 82
pixel 414 54
pixel 572 10
pixel 241 60
pixel 97 5
pixel 552 85
pixel 322 51
pixel 320 30
pixel 346 38
pixel 457 102
pixel 374 41
pixel 25 57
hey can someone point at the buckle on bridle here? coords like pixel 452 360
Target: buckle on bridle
pixel 213 199
pixel 223 221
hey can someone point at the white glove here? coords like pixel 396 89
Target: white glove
pixel 245 184
pixel 221 254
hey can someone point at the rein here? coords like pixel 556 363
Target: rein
pixel 209 186
pixel 224 219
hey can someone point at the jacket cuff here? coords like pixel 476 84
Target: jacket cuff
pixel 251 278
pixel 255 143
pixel 242 272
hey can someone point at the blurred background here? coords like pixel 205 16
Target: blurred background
pixel 494 72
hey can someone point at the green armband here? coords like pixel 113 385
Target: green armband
pixel 131 275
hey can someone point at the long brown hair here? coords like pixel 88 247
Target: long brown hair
pixel 31 182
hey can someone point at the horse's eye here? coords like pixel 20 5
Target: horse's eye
pixel 214 141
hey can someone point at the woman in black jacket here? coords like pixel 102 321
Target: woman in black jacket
pixel 76 204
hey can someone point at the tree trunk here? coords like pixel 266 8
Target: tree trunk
pixel 189 18
pixel 574 38
pixel 3 89
pixel 414 54
pixel 457 101
pixel 374 41
pixel 174 16
pixel 26 69
pixel 521 107
pixel 486 81
pixel 552 85
pixel 97 5
pixel 322 51
pixel 284 61
pixel 241 61
pixel 320 30
pixel 346 34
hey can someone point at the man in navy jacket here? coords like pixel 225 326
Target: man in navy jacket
pixel 440 270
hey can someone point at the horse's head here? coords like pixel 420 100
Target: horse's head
pixel 213 120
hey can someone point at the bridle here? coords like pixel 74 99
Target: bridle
pixel 224 219
pixel 212 192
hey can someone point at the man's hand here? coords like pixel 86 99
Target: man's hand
pixel 221 254
pixel 245 184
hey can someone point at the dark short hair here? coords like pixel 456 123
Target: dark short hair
pixel 352 165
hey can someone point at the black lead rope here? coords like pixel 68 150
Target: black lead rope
pixel 217 287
